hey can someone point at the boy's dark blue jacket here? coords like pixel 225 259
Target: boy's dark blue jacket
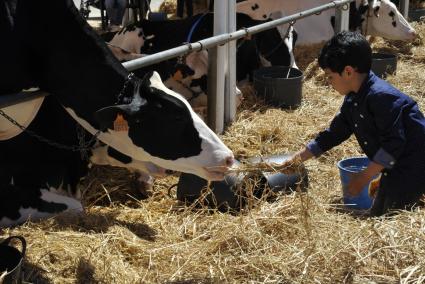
pixel 388 125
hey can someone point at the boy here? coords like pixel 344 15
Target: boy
pixel 388 125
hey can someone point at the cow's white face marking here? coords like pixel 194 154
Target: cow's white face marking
pixel 131 41
pixel 289 43
pixel 198 62
pixel 100 156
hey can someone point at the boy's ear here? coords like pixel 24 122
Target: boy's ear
pixel 349 70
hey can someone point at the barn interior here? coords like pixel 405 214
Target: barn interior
pixel 130 234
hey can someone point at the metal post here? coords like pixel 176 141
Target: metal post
pixel 404 8
pixel 342 18
pixel 230 94
pixel 217 70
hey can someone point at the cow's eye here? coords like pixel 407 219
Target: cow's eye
pixel 179 118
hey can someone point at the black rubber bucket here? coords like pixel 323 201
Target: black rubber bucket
pixel 228 195
pixel 224 195
pixel 417 15
pixel 11 260
pixel 279 86
pixel 383 64
pixel 157 16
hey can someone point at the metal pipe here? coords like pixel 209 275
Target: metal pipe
pixel 230 94
pixel 224 38
pixel 217 71
pixel 404 8
pixel 342 19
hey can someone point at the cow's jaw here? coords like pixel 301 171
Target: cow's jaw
pixel 213 160
pixel 210 165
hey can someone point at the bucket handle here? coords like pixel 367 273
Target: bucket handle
pixel 23 243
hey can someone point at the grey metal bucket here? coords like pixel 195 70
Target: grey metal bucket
pixel 11 260
pixel 279 86
pixel 227 195
pixel 383 64
pixel 280 181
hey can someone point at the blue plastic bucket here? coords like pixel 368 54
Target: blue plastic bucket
pixel 347 168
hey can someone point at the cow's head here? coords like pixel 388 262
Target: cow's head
pixel 382 18
pixel 274 47
pixel 161 127
pixel 133 39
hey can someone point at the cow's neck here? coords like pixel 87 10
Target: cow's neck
pixel 84 79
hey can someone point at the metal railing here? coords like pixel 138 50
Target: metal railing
pixel 221 101
pixel 225 38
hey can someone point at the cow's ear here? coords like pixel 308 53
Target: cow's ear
pixel 150 81
pixel 376 11
pixel 107 115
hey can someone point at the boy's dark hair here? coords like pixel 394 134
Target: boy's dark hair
pixel 346 49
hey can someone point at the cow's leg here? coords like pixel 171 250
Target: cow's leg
pixel 189 8
pixel 19 204
pixel 180 8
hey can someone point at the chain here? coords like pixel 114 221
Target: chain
pixel 130 77
pixel 83 146
pixel 81 135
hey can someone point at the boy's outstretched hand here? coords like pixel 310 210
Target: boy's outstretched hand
pixel 296 159
pixel 357 182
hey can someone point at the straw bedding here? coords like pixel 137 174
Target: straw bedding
pixel 299 238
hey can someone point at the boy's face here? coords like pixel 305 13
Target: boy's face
pixel 340 82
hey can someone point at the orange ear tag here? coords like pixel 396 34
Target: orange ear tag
pixel 120 124
pixel 178 76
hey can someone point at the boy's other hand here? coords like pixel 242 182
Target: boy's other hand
pixel 361 179
pixel 357 182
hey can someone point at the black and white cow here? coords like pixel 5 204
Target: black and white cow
pixel 60 53
pixel 147 37
pixel 152 36
pixel 372 17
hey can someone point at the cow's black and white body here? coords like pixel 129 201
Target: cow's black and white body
pixel 372 17
pixel 68 60
pixel 147 37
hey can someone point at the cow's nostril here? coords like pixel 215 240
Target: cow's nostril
pixel 229 161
